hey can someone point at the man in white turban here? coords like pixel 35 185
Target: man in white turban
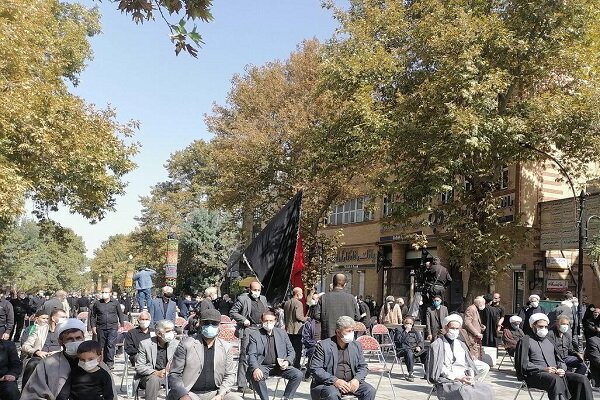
pixel 451 368
pixel 512 334
pixel 532 307
pixel 539 365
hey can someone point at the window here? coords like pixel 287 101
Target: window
pixel 468 185
pixel 351 212
pixel 504 177
pixel 388 204
pixel 446 197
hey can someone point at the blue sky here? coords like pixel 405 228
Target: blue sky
pixel 135 70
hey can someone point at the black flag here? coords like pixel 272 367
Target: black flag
pixel 271 253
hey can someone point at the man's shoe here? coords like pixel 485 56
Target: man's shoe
pixel 410 377
pixel 244 390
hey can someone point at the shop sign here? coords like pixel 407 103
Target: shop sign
pixel 357 255
pixel 557 263
pixel 557 285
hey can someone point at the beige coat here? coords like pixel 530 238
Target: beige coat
pixel 36 340
pixel 294 318
pixel 49 377
pixel 473 327
pixel 394 315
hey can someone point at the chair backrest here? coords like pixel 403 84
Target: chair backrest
pixel 82 316
pixel 225 319
pixel 127 326
pixel 369 343
pixel 227 334
pixel 180 321
pixel 360 327
pixel 379 329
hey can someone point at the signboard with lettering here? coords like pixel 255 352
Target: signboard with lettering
pixel 356 256
pixel 558 222
pixel 557 263
pixel 557 285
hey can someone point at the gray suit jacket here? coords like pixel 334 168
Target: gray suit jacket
pixel 433 324
pixel 240 311
pixel 324 361
pixel 145 359
pixel 188 362
pixel 333 305
pixel 257 347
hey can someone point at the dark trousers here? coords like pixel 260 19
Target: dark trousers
pixel 572 385
pixel 243 359
pixel 575 362
pixel 29 368
pixel 297 345
pixel 330 392
pixel 107 339
pixel 293 376
pixel 143 298
pixel 409 358
pixel 151 385
pixel 19 322
pixel 9 391
pixel 595 373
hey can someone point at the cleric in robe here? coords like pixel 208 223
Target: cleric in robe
pixel 539 365
pixel 449 364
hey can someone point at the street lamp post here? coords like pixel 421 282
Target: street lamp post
pixel 579 214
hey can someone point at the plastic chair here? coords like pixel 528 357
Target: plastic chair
pixel 524 386
pixel 371 346
pixel 180 322
pixel 380 330
pixel 225 319
pixel 360 329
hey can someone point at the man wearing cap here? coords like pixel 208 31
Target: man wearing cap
pixel 538 363
pixel 153 356
pixel 450 367
pixel 51 378
pixel 512 335
pixel 528 310
pixel 203 367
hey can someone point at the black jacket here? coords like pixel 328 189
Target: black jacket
pixel 132 340
pixel 522 360
pixel 106 315
pixel 10 364
pixel 7 316
pixel 21 306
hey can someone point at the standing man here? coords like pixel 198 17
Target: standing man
pixel 438 276
pixel 270 353
pixel 335 304
pixel 203 366
pixel 364 312
pixel 58 302
pixel 21 309
pixel 434 318
pixel 498 311
pixel 338 366
pixel 143 286
pixel 105 321
pixel 163 307
pixel 293 311
pixel 474 327
pixel 7 318
pixel 153 356
pixel 527 311
pixel 247 312
pixel 210 295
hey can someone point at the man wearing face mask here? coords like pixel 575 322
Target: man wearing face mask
pixel 203 366
pixel 52 377
pixel 153 356
pixel 474 327
pixel 409 344
pixel 105 320
pixel 512 335
pixel 434 317
pixel 338 366
pixel 134 336
pixel 566 347
pixel 451 369
pixel 270 353
pixel 163 307
pixel 538 363
pixel 247 312
pixel 528 310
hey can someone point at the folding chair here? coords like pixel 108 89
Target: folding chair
pixel 524 386
pixel 381 331
pixel 371 347
pixel 359 329
pixel 225 319
pixel 279 378
pixel 512 362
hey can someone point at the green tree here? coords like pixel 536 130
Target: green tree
pixel 449 91
pixel 207 240
pixel 55 149
pixel 111 260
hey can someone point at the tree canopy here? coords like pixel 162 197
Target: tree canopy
pixel 55 148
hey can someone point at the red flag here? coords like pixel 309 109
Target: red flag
pixel 298 266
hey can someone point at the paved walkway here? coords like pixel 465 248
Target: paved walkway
pixel 504 382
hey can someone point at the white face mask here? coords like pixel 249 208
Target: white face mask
pixel 144 324
pixel 88 366
pixel 169 336
pixel 105 296
pixel 348 337
pixel 563 328
pixel 268 326
pixel 542 332
pixel 256 294
pixel 61 320
pixel 452 334
pixel 71 347
pixel 534 304
pixel 516 325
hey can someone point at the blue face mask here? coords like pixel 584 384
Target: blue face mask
pixel 437 304
pixel 210 331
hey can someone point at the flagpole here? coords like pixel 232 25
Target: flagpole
pixel 251 269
